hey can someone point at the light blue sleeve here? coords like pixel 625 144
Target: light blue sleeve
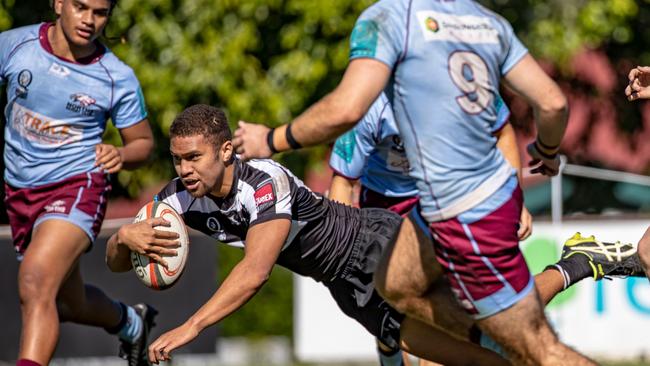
pixel 503 113
pixel 9 40
pixel 129 107
pixel 351 150
pixel 513 50
pixel 380 32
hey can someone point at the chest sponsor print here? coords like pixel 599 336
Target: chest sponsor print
pixel 42 129
pixel 437 26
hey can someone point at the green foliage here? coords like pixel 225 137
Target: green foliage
pixel 555 30
pixel 270 312
pixel 260 60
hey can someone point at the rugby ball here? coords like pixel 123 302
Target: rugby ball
pixel 150 272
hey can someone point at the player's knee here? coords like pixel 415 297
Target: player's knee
pixel 32 287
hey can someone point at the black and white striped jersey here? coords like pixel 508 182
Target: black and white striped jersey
pixel 322 232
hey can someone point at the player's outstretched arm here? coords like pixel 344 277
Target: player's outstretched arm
pixel 143 238
pixel 264 242
pixel 550 107
pixel 337 112
pixel 138 145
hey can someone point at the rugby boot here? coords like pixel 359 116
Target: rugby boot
pixel 136 353
pixel 584 257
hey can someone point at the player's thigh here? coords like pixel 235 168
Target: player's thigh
pixel 53 252
pixel 531 331
pixel 408 267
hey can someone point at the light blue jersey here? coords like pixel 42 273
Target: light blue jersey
pixel 57 109
pixel 373 151
pixel 447 59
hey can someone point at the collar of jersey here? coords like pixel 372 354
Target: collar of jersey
pixel 100 50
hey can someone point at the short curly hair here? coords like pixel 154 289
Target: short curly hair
pixel 202 119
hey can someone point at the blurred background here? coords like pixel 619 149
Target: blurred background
pixel 267 60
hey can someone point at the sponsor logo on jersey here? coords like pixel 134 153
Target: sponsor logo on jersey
pixel 41 129
pixel 457 28
pixel 363 40
pixel 24 79
pixel 344 146
pixel 432 24
pixel 81 103
pixel 214 226
pixel 56 207
pixel 58 70
pixel 264 194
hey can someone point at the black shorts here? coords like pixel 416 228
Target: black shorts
pixel 354 290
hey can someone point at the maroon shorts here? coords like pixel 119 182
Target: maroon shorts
pixel 399 205
pixel 482 260
pixel 80 200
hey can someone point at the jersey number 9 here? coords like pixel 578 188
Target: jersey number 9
pixel 470 74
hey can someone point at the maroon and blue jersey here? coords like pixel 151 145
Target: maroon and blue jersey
pixel 57 109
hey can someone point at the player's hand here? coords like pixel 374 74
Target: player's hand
pixel 161 348
pixel 250 141
pixel 142 237
pixel 108 157
pixel 639 83
pixel 525 224
pixel 543 163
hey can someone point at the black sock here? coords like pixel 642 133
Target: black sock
pixel 573 269
pixel 123 319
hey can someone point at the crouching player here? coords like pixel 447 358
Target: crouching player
pixel 263 208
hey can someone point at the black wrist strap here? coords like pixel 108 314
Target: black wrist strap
pixel 547 147
pixel 542 153
pixel 269 141
pixel 290 139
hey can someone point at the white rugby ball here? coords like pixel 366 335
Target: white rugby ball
pixel 150 272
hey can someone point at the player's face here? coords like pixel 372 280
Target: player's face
pixel 199 164
pixel 82 21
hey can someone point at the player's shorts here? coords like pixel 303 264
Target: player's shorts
pixel 80 200
pixel 482 260
pixel 400 205
pixel 354 289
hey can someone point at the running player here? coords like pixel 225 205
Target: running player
pixel 62 87
pixel 443 63
pixel 373 153
pixel 263 208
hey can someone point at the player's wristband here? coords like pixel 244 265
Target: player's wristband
pixel 545 146
pixel 542 153
pixel 269 141
pixel 295 145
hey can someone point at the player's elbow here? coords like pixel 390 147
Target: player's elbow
pixel 258 278
pixel 344 113
pixel 554 103
pixel 118 265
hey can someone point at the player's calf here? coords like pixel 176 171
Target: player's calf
pixel 644 251
pixel 531 342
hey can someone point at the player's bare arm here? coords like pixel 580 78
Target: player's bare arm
pixel 264 242
pixel 143 238
pixel 138 144
pixel 342 189
pixel 550 108
pixel 337 112
pixel 507 144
